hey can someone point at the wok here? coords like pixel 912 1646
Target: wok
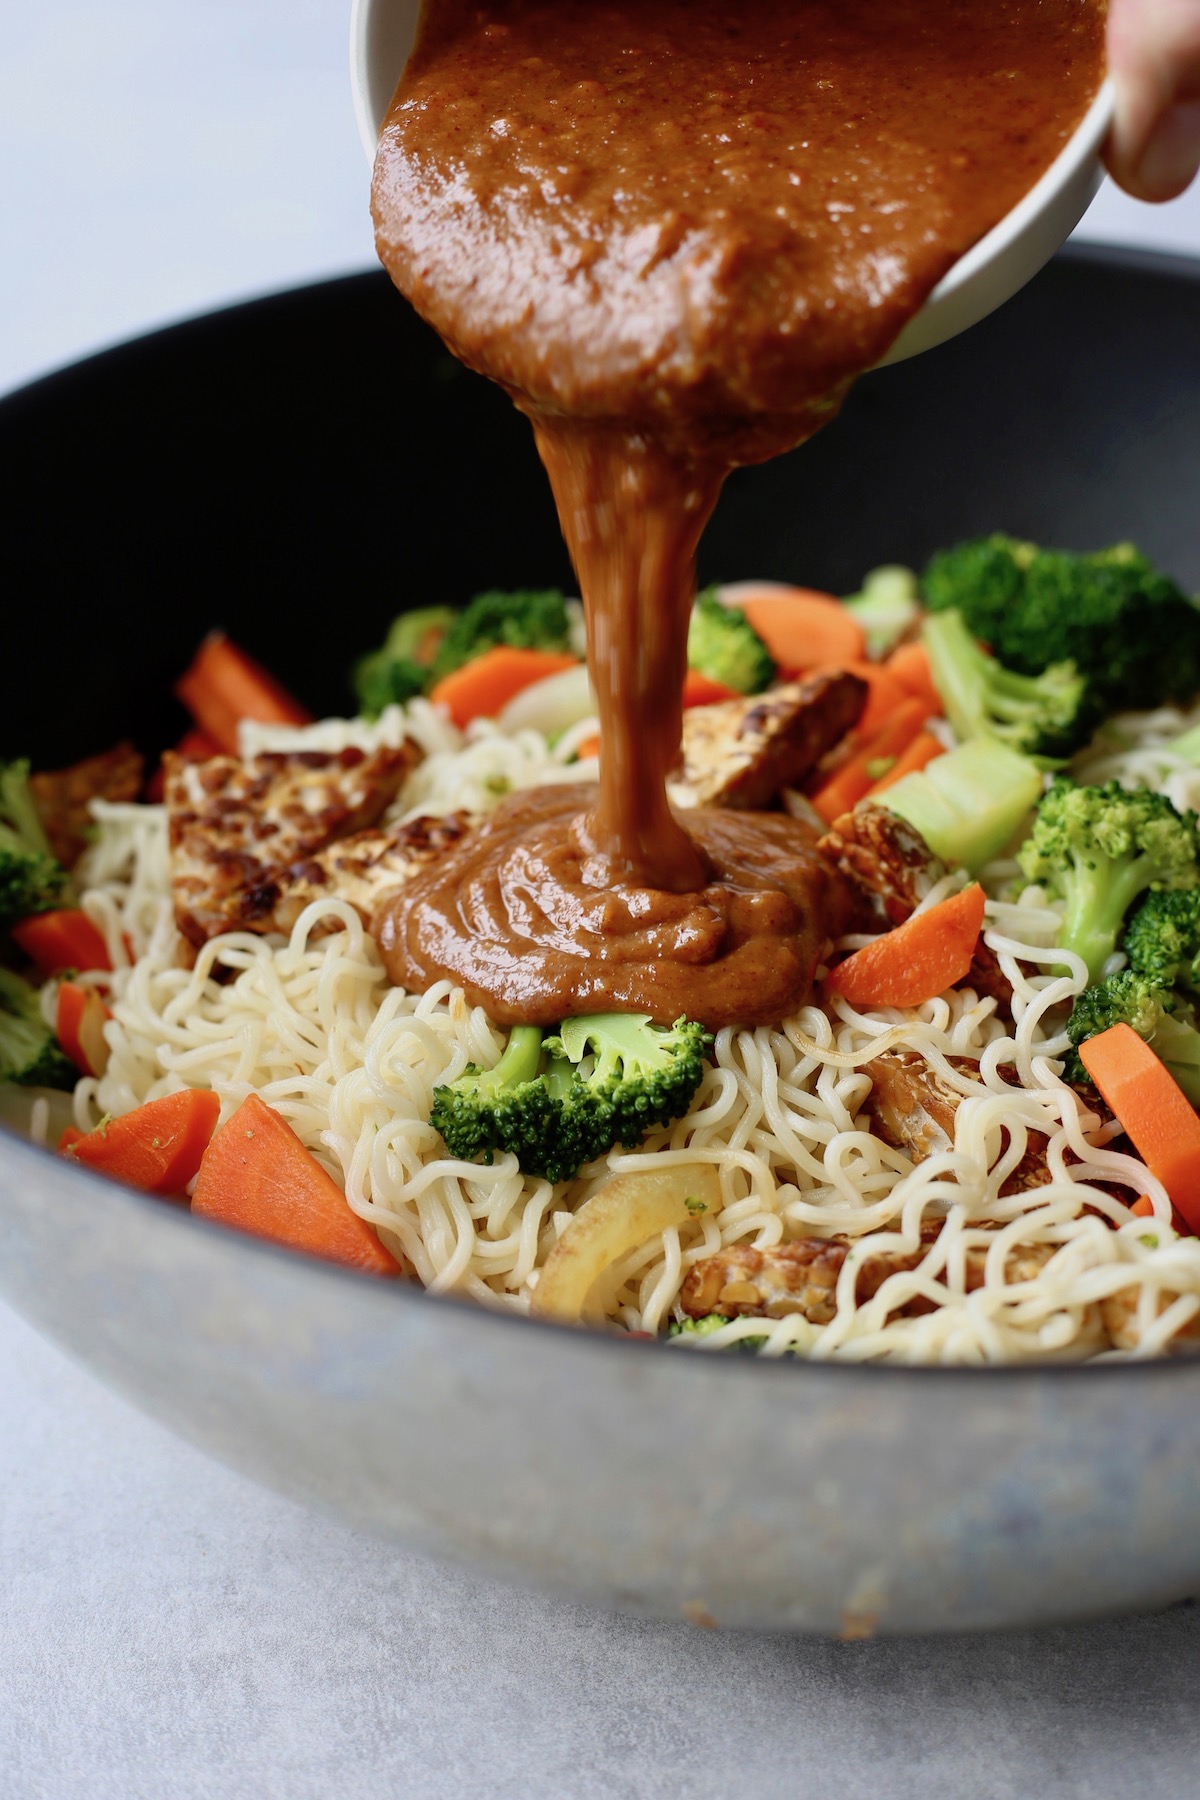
pixel 300 468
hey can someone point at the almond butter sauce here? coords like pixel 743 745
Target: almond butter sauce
pixel 675 231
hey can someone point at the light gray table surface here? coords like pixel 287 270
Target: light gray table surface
pixel 168 1630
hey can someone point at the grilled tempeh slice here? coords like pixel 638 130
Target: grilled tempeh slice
pixel 802 1277
pixel 364 870
pixel 741 753
pixel 235 823
pixel 63 797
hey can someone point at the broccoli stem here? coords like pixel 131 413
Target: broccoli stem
pixel 520 1060
pixel 1097 900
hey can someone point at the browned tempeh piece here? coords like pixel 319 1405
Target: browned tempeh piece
pixel 364 870
pixel 1119 1313
pixel 885 857
pixel 802 1277
pixel 913 1109
pixel 235 823
pixel 740 753
pixel 63 797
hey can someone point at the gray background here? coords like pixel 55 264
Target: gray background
pixel 168 1630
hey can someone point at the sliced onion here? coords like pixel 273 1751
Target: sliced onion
pixel 625 1212
pixel 551 706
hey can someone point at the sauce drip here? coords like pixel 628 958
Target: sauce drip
pixel 675 232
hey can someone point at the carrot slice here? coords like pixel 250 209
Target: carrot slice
pixel 258 1177
pixel 224 686
pixel 850 780
pixel 70 1136
pixel 922 750
pixel 63 939
pixel 1153 1110
pixel 589 747
pixel 909 665
pixel 921 958
pixel 79 1026
pixel 485 685
pixel 158 1146
pixel 702 690
pixel 803 629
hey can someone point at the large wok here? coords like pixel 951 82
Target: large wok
pixel 297 470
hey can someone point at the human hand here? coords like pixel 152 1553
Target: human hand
pixel 1154 61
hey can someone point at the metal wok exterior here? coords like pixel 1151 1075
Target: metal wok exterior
pixel 636 1475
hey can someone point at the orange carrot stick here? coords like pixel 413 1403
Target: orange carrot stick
pixel 849 781
pixel 702 690
pixel 1153 1110
pixel 63 939
pixel 484 686
pixel 922 750
pixel 909 665
pixel 921 958
pixel 224 686
pixel 157 1147
pixel 79 1026
pixel 805 630
pixel 258 1177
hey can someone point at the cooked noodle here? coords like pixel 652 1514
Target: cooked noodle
pixel 312 1024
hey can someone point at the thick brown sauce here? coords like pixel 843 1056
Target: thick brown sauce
pixel 675 231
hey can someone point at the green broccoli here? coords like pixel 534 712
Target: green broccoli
pixel 888 606
pixel 1049 714
pixel 723 645
pixel 1148 1007
pixel 1102 847
pixel 402 667
pixel 697 1327
pixel 1162 938
pixel 704 1327
pixel 534 620
pixel 968 804
pixel 29 1052
pixel 558 1102
pixel 1131 630
pixel 31 880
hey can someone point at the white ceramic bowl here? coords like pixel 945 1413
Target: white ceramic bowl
pixel 382 34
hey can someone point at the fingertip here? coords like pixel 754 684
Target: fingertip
pixel 1169 160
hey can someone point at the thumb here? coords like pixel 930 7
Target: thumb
pixel 1154 61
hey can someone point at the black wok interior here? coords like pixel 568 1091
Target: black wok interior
pixel 299 469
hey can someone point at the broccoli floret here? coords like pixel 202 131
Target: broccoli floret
pixel 1148 1007
pixel 402 667
pixel 29 1052
pixel 724 645
pixel 559 1102
pixel 536 620
pixel 31 880
pixel 968 804
pixel 702 1328
pixel 632 1074
pixel 1100 848
pixel 1162 938
pixel 1049 714
pixel 888 606
pixel 1127 627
